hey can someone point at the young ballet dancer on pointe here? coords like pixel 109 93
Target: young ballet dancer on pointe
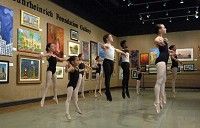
pixel 138 81
pixel 98 75
pixel 82 67
pixel 174 68
pixel 126 69
pixel 108 63
pixel 51 72
pixel 73 85
pixel 161 63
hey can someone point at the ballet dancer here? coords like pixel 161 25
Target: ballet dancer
pixel 174 68
pixel 108 63
pixel 82 67
pixel 98 75
pixel 51 71
pixel 73 85
pixel 126 69
pixel 161 62
pixel 138 81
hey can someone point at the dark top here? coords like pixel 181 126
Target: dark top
pixel 52 64
pixel 98 69
pixel 139 76
pixel 174 63
pixel 164 54
pixel 73 78
pixel 81 65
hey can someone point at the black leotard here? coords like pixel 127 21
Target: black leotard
pixel 52 64
pixel 174 63
pixel 164 54
pixel 139 76
pixel 81 66
pixel 73 78
pixel 98 69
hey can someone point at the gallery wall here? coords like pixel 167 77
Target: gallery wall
pixel 13 91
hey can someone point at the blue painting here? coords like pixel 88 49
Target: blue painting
pixel 154 53
pixel 134 58
pixel 6 31
pixel 86 50
pixel 101 51
pixel 4 70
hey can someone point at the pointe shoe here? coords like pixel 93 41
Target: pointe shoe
pixel 100 93
pixel 56 100
pixel 174 94
pixel 79 112
pixel 157 106
pixel 42 103
pixel 165 99
pixel 68 116
pixel 127 94
pixel 123 94
pixel 161 105
pixel 95 95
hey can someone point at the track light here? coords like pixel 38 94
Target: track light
pixel 164 3
pixel 147 7
pixel 152 22
pixel 140 18
pixel 124 0
pixel 170 20
pixel 148 15
pixel 196 16
pixel 142 22
pixel 167 14
pixel 188 10
pixel 181 2
pixel 187 18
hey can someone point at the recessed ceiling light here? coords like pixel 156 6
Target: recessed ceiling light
pixel 181 2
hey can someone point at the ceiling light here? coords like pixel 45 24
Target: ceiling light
pixel 181 2
pixel 147 7
pixel 170 20
pixel 152 22
pixel 140 18
pixel 124 0
pixel 197 11
pixel 164 4
pixel 148 15
pixel 167 14
pixel 188 10
pixel 143 22
pixel 196 16
pixel 187 18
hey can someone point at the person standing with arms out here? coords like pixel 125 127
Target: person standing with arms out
pixel 51 72
pixel 126 69
pixel 73 85
pixel 174 68
pixel 108 63
pixel 138 81
pixel 161 63
pixel 98 75
pixel 82 67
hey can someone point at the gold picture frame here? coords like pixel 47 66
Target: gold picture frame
pixel 29 20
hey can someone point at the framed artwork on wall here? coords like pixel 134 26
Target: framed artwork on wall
pixel 28 41
pixel 93 53
pixel 101 51
pixel 73 48
pixel 86 50
pixel 73 35
pixel 144 59
pixel 29 20
pixel 4 71
pixel 55 35
pixel 60 72
pixel 134 74
pixel 188 67
pixel 152 70
pixel 134 58
pixel 185 54
pixel 6 31
pixel 154 53
pixel 143 68
pixel 29 69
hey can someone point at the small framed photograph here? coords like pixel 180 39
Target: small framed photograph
pixel 73 49
pixel 134 74
pixel 188 67
pixel 4 71
pixel 73 35
pixel 143 68
pixel 29 20
pixel 60 72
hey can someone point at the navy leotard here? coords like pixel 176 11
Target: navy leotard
pixel 52 64
pixel 164 54
pixel 81 66
pixel 98 69
pixel 73 78
pixel 174 63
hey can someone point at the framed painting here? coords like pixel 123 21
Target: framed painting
pixel 144 59
pixel 101 51
pixel 73 49
pixel 154 53
pixel 134 58
pixel 29 20
pixel 28 41
pixel 55 35
pixel 4 71
pixel 134 74
pixel 143 68
pixel 185 54
pixel 6 31
pixel 152 70
pixel 29 69
pixel 60 72
pixel 73 35
pixel 188 67
pixel 93 74
pixel 86 50
pixel 93 53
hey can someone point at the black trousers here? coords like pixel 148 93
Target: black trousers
pixel 108 66
pixel 126 73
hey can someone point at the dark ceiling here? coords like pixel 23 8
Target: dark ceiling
pixel 123 17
